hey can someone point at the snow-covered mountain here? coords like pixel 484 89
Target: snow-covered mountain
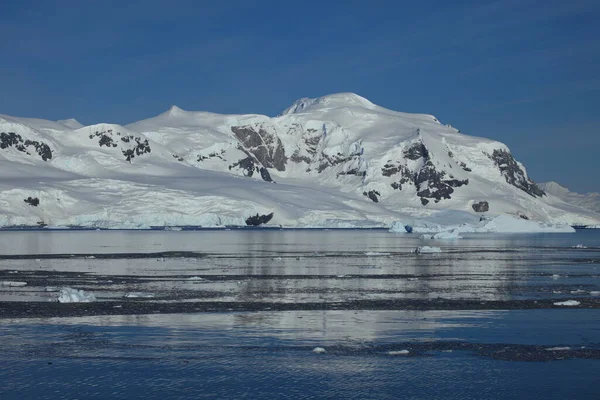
pixel 335 161
pixel 590 201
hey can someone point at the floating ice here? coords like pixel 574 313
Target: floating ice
pixel 70 295
pixel 567 303
pixel 319 350
pixel 555 276
pixel 580 246
pixel 12 283
pixel 398 227
pixel 376 253
pixel 134 295
pixel 195 278
pixel 398 352
pixel 558 349
pixel 454 234
pixel 427 249
pixel 595 293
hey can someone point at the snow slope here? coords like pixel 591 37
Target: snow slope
pixel 590 201
pixel 334 161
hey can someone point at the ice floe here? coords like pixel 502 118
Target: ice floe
pixel 568 303
pixel 427 249
pixel 70 295
pixel 12 283
pixel 398 352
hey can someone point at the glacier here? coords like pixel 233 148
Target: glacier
pixel 337 161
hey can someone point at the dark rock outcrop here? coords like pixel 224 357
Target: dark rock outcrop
pixel 32 201
pixel 481 207
pixel 514 174
pixel 416 151
pixel 11 139
pixel 214 154
pixel 246 164
pixel 264 146
pixel 264 174
pixel 257 219
pixel 136 146
pixel 373 195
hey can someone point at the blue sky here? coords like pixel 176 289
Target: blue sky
pixel 524 72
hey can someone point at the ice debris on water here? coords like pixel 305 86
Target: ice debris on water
pixel 398 227
pixel 448 235
pixel 398 352
pixel 555 276
pixel 134 295
pixel 195 278
pixel 580 246
pixel 376 253
pixel 319 350
pixel 427 249
pixel 567 303
pixel 12 283
pixel 558 349
pixel 70 295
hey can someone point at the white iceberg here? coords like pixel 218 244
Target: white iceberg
pixel 319 350
pixel 70 295
pixel 397 227
pixel 558 349
pixel 398 352
pixel 13 283
pixel 568 303
pixel 427 249
pixel 135 295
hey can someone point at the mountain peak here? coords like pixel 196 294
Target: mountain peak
pixel 330 101
pixel 70 123
pixel 554 188
pixel 174 111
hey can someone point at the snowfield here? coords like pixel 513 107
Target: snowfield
pixel 337 161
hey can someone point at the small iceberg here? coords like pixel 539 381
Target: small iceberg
pixel 135 295
pixel 319 350
pixel 580 246
pixel 558 349
pixel 70 295
pixel 13 283
pixel 427 250
pixel 398 352
pixel 568 303
pixel 398 227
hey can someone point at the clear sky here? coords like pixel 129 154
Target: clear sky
pixel 524 72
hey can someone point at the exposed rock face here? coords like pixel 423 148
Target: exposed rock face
pixel 264 174
pixel 213 154
pixel 335 159
pixel 131 146
pixel 257 219
pixel 416 151
pixel 12 139
pixel 373 195
pixel 32 201
pixel 514 174
pixel 481 207
pixel 264 146
pixel 246 164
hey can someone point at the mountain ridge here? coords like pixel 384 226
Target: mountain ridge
pixel 361 162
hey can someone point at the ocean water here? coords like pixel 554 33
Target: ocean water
pixel 238 314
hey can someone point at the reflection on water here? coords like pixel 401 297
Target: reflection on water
pixel 268 354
